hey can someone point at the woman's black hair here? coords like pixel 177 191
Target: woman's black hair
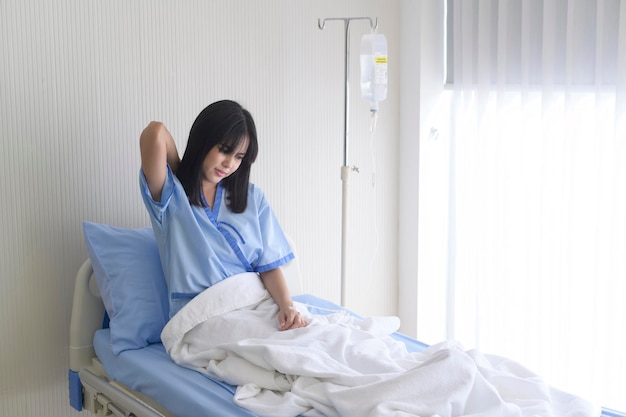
pixel 225 123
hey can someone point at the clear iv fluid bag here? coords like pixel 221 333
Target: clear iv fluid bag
pixel 374 69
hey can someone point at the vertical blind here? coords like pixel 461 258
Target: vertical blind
pixel 536 225
pixel 534 42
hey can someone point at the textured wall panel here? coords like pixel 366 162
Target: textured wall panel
pixel 79 80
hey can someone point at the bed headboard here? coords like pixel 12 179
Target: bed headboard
pixel 87 317
pixel 88 309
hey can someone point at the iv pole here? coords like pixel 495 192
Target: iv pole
pixel 345 169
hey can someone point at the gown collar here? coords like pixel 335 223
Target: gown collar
pixel 212 212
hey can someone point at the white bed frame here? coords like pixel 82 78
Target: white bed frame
pixel 89 386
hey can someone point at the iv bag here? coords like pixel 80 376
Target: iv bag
pixel 374 69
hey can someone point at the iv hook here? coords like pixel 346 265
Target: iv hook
pixel 321 23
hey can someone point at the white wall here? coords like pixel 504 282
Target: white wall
pixel 422 73
pixel 78 81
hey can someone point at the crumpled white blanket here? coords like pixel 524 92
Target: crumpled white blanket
pixel 340 365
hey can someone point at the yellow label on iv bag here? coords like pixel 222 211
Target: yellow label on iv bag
pixel 380 59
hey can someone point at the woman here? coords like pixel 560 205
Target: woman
pixel 210 222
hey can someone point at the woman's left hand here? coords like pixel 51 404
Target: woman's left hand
pixel 290 318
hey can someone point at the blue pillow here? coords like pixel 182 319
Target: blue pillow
pixel 130 278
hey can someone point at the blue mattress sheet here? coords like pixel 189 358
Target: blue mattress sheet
pixel 181 391
pixel 185 392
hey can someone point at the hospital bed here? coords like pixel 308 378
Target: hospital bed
pixel 144 381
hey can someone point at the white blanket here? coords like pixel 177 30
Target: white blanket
pixel 340 365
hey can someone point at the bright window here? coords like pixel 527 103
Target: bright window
pixel 523 193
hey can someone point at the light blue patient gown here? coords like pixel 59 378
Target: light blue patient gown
pixel 200 247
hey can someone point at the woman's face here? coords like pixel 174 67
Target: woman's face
pixel 222 161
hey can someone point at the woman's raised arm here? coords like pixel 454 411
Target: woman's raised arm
pixel 157 150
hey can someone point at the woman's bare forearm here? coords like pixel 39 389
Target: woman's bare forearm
pixel 157 150
pixel 288 316
pixel 276 285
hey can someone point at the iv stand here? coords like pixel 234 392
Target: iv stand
pixel 345 169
